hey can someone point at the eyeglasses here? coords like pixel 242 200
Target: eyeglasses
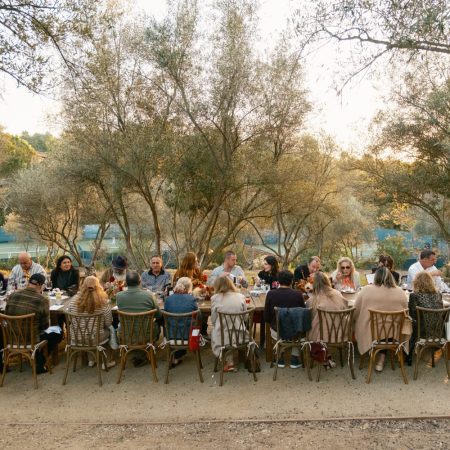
pixel 345 267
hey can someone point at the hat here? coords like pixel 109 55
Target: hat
pixel 37 279
pixel 120 262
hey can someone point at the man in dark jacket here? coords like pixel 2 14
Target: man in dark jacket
pixel 283 297
pixel 303 272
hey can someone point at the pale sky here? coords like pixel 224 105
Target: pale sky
pixel 346 118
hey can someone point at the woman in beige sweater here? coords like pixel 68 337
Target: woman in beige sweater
pixel 383 295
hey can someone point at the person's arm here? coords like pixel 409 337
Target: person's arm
pixel 53 278
pixel 44 315
pixel 412 305
pixel 297 275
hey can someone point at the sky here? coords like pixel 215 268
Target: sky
pixel 345 117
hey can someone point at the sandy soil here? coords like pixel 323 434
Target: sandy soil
pixel 126 413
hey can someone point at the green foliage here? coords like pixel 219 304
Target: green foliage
pixel 15 154
pixel 40 142
pixel 395 247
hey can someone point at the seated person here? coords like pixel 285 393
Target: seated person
pixel 304 272
pixel 227 299
pixel 113 279
pixel 21 273
pixel 325 297
pixel 426 295
pixel 283 297
pixel 387 261
pixel 189 268
pixel 181 301
pixel 270 272
pixel 91 299
pixel 3 282
pixel 427 261
pixel 136 300
pixel 64 276
pixel 229 268
pixel 346 277
pixel 382 295
pixel 28 301
pixel 156 279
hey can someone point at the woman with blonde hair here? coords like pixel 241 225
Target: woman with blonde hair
pixel 425 295
pixel 180 302
pixel 325 297
pixel 92 299
pixel 227 299
pixel 345 277
pixel 189 268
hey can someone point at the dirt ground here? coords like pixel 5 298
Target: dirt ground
pixel 139 413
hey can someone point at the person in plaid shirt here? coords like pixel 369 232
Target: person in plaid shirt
pixel 28 301
pixel 22 272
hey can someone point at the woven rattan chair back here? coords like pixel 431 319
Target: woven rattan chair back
pixel 284 344
pixel 83 335
pixel 336 331
pixel 176 337
pixel 236 334
pixel 336 327
pixel 19 339
pixel 136 333
pixel 430 334
pixel 386 330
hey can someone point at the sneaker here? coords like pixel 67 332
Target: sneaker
pixel 295 363
pixel 281 363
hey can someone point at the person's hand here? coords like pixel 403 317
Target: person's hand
pixel 436 273
pixel 339 276
pixel 107 285
pixel 225 274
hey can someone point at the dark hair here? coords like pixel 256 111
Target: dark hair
pixel 273 263
pixel 285 278
pixel 387 261
pixel 425 254
pixel 228 254
pixel 313 258
pixel 132 278
pixel 37 279
pixel 383 277
pixel 156 256
pixel 59 262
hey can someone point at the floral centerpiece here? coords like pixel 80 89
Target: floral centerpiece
pixel 115 286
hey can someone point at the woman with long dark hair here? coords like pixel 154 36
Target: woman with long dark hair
pixel 270 271
pixel 64 276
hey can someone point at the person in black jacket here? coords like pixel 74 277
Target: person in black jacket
pixel 270 273
pixel 65 277
pixel 388 261
pixel 283 297
pixel 304 272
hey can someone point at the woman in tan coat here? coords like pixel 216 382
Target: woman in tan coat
pixel 227 299
pixel 325 297
pixel 383 295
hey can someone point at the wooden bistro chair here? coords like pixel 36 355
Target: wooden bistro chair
pixel 386 330
pixel 338 327
pixel 83 336
pixel 176 337
pixel 430 334
pixel 236 334
pixel 136 333
pixel 281 345
pixel 19 340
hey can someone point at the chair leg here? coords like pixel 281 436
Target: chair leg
pixel 350 363
pixel 5 366
pixel 197 360
pixel 307 362
pixel 319 368
pixel 33 368
pixel 418 352
pixel 253 362
pixel 152 361
pixel 277 357
pixel 222 364
pixel 216 363
pixel 99 370
pixel 341 357
pixel 445 356
pixel 200 357
pixel 68 358
pixel 168 358
pixel 361 361
pixel 402 365
pixel 372 357
pixel 123 359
